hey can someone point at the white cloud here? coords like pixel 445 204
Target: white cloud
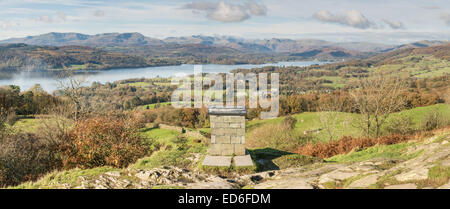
pixel 256 9
pixel 227 12
pixel 394 24
pixel 352 18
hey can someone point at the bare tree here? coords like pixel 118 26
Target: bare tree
pixel 3 118
pixel 56 124
pixel 329 112
pixel 375 98
pixel 70 86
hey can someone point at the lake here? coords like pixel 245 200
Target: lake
pixel 49 79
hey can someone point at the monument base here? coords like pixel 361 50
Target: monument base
pixel 219 161
pixel 226 161
pixel 243 161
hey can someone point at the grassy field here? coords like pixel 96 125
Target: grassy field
pixel 337 81
pixel 310 121
pixel 418 114
pixel 175 149
pixel 29 125
pixel 421 66
pixel 160 135
pixel 417 65
pixel 344 126
pixel 394 152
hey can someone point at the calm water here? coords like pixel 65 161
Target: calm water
pixel 49 80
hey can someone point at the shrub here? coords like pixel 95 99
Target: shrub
pixel 400 124
pixel 434 120
pixel 3 127
pixel 101 141
pixel 11 118
pixel 347 144
pixel 289 122
pixel 25 157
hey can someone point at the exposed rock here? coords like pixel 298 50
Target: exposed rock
pixel 143 175
pixel 113 173
pixel 420 173
pixel 213 182
pixel 402 186
pixel 446 162
pixel 365 181
pixel 290 183
pixel 445 186
pixel 223 161
pixel 364 166
pixel 336 175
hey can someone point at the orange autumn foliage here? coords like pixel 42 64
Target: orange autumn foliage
pixel 102 141
pixel 346 144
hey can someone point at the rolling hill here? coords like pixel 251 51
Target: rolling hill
pixel 14 57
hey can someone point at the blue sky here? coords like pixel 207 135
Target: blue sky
pixel 383 21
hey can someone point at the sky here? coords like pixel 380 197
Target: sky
pixel 381 21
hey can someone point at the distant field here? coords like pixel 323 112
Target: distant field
pixel 151 106
pixel 421 66
pixel 336 81
pixel 139 84
pixel 417 65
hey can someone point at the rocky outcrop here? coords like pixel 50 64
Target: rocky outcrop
pixel 410 174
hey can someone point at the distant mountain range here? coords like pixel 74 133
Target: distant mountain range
pixel 99 40
pixel 136 50
pixel 273 45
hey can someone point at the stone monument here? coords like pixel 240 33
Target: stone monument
pixel 227 131
pixel 227 137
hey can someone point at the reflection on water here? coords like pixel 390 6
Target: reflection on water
pixel 49 79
